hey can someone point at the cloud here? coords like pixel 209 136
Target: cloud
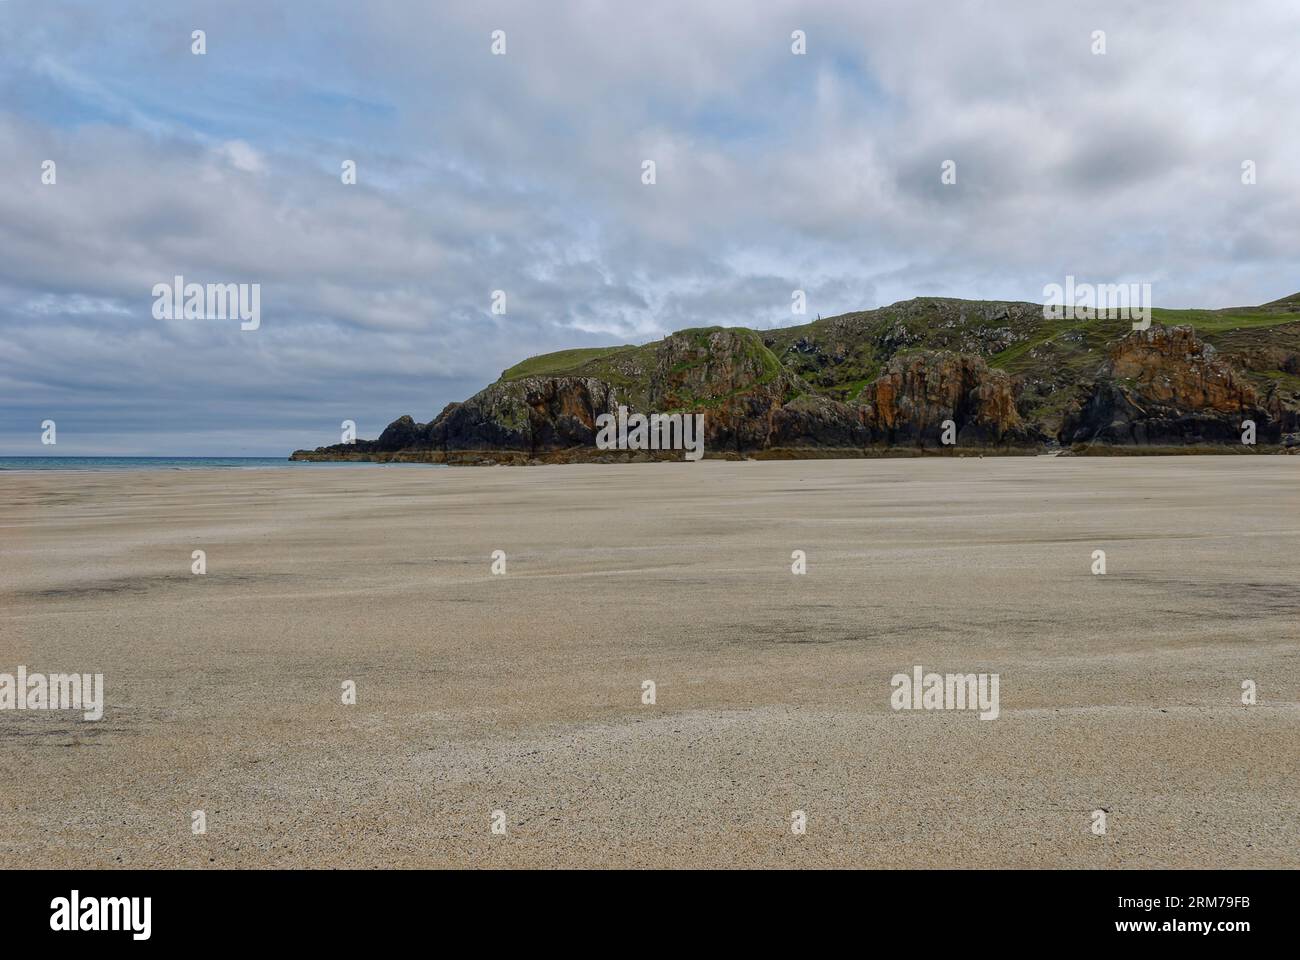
pixel 522 173
pixel 241 156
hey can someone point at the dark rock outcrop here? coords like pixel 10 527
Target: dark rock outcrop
pixel 533 415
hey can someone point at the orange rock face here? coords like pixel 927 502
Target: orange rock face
pixel 1169 365
pixel 917 392
pixel 1163 386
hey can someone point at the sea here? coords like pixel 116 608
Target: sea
pixel 187 463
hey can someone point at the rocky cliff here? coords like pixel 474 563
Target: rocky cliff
pixel 886 381
pixel 1164 386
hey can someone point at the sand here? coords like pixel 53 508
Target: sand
pixel 522 692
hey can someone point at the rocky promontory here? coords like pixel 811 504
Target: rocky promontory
pixel 921 376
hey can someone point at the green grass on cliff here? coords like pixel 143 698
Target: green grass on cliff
pixel 1222 321
pixel 861 365
pixel 561 362
pixel 1017 358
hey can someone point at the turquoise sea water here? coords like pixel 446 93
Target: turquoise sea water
pixel 181 463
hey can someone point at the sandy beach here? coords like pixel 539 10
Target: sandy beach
pixel 522 692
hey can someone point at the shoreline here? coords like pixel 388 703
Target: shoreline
pixel 589 455
pixel 580 455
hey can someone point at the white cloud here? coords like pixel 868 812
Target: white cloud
pixel 241 156
pixel 522 173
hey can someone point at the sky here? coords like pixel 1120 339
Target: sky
pixel 523 172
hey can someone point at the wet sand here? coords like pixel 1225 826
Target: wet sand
pixel 522 692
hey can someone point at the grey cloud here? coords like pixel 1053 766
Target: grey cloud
pixel 522 173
